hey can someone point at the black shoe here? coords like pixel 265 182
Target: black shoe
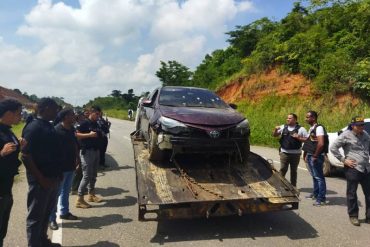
pixel 354 221
pixel 68 216
pixel 53 225
pixel 48 243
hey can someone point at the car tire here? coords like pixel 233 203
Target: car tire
pixel 155 154
pixel 327 167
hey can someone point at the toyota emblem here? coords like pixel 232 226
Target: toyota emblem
pixel 214 134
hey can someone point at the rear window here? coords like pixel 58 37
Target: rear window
pixel 190 97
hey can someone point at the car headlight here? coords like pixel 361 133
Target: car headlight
pixel 172 126
pixel 242 128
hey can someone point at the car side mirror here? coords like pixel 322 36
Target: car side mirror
pixel 234 106
pixel 146 103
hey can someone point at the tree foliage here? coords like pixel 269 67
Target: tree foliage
pixel 328 42
pixel 174 73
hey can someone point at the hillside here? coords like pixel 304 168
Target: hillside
pixel 256 88
pixel 11 94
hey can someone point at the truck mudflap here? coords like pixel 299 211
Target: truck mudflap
pixel 194 186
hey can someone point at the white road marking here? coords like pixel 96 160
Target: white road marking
pixel 127 138
pixel 58 234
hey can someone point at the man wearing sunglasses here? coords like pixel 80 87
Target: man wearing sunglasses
pixel 355 144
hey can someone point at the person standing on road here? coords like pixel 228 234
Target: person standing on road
pixel 10 114
pixel 88 133
pixel 291 137
pixel 314 148
pixel 78 173
pixel 70 158
pixel 355 144
pixel 42 159
pixel 104 126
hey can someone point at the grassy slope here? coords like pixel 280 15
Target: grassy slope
pixel 273 110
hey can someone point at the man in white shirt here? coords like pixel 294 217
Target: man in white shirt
pixel 291 137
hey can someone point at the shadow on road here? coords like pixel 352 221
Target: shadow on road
pixel 113 164
pixel 309 190
pixel 110 191
pixel 96 222
pixel 99 244
pixel 118 202
pixel 252 226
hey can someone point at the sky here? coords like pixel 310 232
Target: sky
pixel 82 49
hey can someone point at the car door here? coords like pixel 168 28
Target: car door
pixel 147 111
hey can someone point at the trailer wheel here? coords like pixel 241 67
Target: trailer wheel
pixel 327 167
pixel 155 154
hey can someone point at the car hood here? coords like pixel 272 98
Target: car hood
pixel 202 116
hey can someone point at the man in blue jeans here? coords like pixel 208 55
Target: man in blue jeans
pixel 69 149
pixel 314 148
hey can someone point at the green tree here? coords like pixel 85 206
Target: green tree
pixel 116 93
pixel 174 74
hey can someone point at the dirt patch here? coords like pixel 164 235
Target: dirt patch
pixel 257 87
pixel 271 82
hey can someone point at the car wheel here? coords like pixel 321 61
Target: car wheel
pixel 327 167
pixel 155 154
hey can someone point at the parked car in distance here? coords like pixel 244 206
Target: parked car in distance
pixel 175 119
pixel 334 162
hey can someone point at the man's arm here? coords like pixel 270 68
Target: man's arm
pixel 31 166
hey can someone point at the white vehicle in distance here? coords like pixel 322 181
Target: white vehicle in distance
pixel 333 162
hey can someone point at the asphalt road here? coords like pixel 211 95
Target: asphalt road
pixel 114 222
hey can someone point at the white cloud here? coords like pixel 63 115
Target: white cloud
pixel 104 45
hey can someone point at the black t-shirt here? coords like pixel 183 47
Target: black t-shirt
pixel 85 127
pixel 8 164
pixel 68 147
pixel 44 146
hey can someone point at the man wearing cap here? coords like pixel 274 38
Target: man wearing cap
pixel 355 144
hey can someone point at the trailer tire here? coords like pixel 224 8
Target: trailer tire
pixel 155 154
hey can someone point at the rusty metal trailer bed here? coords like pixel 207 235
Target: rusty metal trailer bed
pixel 194 186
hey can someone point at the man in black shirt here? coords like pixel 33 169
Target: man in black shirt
pixel 10 114
pixel 70 157
pixel 42 159
pixel 104 126
pixel 89 133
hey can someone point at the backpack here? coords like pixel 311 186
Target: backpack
pixel 326 138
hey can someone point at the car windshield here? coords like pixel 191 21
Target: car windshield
pixel 190 97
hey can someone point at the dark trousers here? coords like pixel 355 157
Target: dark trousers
pixel 6 203
pixel 292 160
pixel 103 150
pixel 40 203
pixel 77 179
pixel 354 178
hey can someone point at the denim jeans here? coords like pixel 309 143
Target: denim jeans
pixel 63 195
pixel 6 203
pixel 89 164
pixel 40 203
pixel 354 178
pixel 316 170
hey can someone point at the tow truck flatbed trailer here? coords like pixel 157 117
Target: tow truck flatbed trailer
pixel 196 186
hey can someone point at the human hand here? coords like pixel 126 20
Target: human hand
pixel 22 142
pixel 350 163
pixel 93 134
pixel 8 148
